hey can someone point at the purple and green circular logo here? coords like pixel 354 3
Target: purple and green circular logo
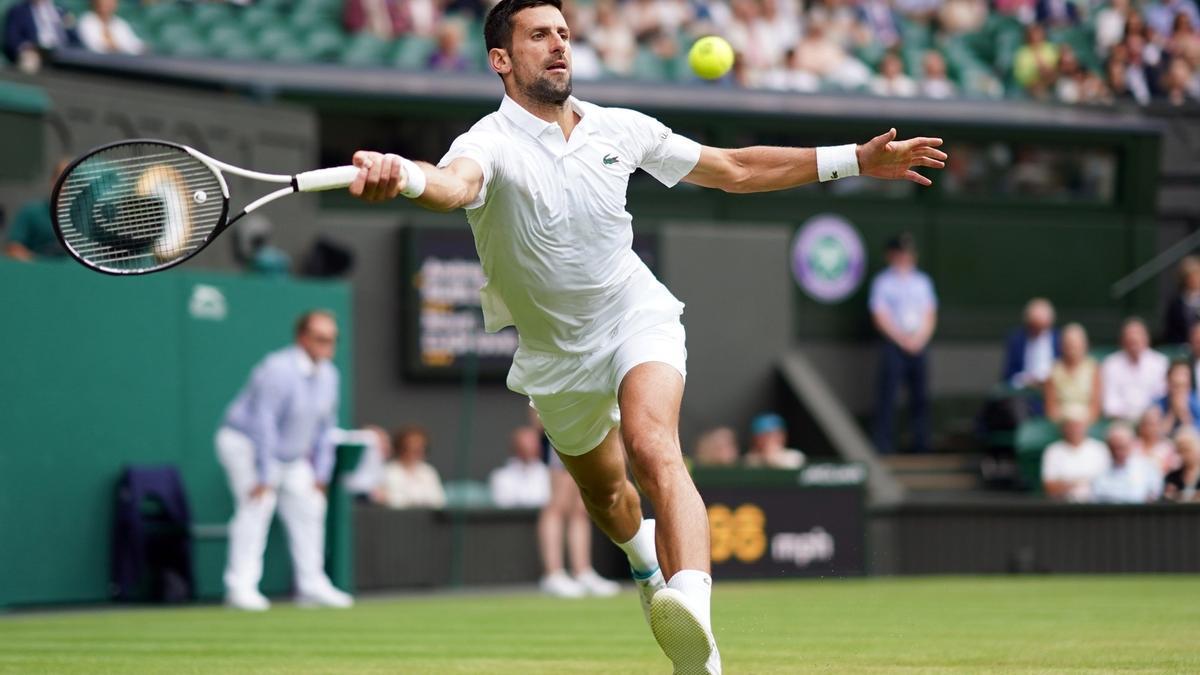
pixel 827 258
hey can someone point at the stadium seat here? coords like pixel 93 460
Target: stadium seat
pixel 463 494
pixel 648 67
pixel 364 50
pixel 412 52
pixel 325 43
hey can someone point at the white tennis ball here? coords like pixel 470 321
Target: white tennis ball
pixel 711 57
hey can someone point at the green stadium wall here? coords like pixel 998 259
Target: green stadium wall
pixel 102 372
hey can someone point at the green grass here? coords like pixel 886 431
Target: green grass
pixel 928 625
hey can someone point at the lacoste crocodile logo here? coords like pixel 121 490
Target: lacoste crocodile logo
pixel 611 160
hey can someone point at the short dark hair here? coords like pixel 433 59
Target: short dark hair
pixel 901 242
pixel 307 317
pixel 498 28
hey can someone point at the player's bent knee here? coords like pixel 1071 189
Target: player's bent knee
pixel 602 497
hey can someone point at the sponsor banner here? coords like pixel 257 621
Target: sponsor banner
pixel 762 532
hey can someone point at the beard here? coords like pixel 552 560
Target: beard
pixel 543 89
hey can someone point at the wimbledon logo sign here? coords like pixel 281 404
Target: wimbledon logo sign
pixel 827 258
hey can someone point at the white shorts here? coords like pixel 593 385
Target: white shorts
pixel 576 395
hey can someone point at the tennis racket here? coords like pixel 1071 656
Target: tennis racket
pixel 142 206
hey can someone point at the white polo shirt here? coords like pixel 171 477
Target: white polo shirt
pixel 551 227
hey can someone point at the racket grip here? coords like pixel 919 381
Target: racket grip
pixel 326 179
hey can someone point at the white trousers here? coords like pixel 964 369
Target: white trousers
pixel 301 505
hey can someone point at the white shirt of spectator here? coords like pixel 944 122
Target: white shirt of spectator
pixel 901 86
pixel 1130 388
pixel 1079 465
pixel 415 488
pixel 91 34
pixel 1137 481
pixel 520 484
pixel 550 224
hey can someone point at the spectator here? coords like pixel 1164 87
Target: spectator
pixel 1072 80
pixel 1184 42
pixel 1181 405
pixel 1133 377
pixel 613 38
pixel 1035 64
pixel 1056 13
pixel 717 447
pixel 1162 16
pixel 276 446
pixel 1075 378
pixel 409 482
pixel 1141 73
pixel 524 480
pixel 565 514
pixel 1110 25
pixel 891 80
pixel 1129 479
pixel 816 53
pixel 1069 466
pixel 448 56
pixel 791 76
pixel 32 27
pixel 101 30
pixel 585 60
pixel 921 11
pixel 1024 11
pixel 768 445
pixel 385 19
pixel 1032 349
pixel 31 234
pixel 879 23
pixel 1194 355
pixel 753 38
pixel 959 17
pixel 935 84
pixel 367 476
pixel 1183 484
pixel 904 309
pixel 1152 444
pixel 1181 84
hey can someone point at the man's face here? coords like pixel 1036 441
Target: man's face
pixel 319 339
pixel 540 57
pixel 902 259
pixel 526 445
pixel 1134 338
pixel 412 449
pixel 1121 445
pixel 1074 431
pixel 770 440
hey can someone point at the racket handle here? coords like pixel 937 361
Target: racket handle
pixel 326 179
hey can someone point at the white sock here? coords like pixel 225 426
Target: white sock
pixel 643 556
pixel 697 587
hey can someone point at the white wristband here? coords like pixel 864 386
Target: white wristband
pixel 415 185
pixel 837 161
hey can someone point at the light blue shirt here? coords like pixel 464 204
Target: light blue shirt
pixel 288 409
pixel 903 297
pixel 1137 481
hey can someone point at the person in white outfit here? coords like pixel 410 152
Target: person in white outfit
pixel 524 480
pixel 102 31
pixel 276 445
pixel 601 354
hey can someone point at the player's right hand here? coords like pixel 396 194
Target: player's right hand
pixel 380 176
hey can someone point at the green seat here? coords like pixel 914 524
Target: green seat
pixel 172 33
pixel 364 50
pixel 226 35
pixel 325 43
pixel 292 52
pixel 272 38
pixel 253 19
pixel 161 13
pixel 208 14
pixel 412 52
pixel 647 67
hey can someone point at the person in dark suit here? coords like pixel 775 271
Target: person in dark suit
pixel 35 26
pixel 1031 350
pixel 1183 312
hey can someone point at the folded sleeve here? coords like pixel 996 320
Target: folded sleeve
pixel 482 148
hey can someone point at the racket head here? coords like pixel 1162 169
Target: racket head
pixel 138 206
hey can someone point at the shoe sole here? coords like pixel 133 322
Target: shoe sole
pixel 680 634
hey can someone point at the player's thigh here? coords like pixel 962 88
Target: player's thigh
pixel 649 398
pixel 600 474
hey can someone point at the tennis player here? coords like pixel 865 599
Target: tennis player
pixel 601 354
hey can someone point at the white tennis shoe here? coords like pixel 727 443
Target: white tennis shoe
pixel 683 635
pixel 325 596
pixel 247 601
pixel 561 585
pixel 594 584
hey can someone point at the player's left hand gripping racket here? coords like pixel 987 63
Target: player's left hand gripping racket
pixel 142 206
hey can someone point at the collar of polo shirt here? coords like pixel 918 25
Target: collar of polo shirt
pixel 530 123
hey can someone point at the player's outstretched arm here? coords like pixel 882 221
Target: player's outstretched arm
pixel 764 168
pixel 382 177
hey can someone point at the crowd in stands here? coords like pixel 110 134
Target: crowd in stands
pixel 1072 51
pixel 1143 403
pixel 768 448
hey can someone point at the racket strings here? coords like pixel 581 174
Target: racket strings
pixel 138 206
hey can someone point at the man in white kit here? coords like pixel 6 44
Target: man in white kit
pixel 601 353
